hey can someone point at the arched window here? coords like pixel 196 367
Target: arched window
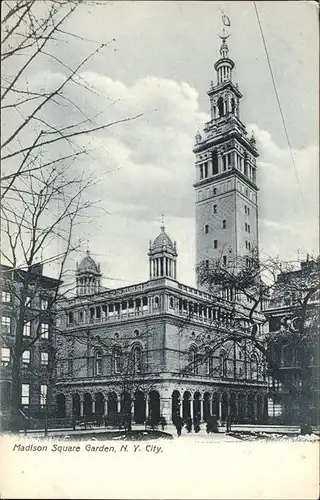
pixel 215 169
pixel 98 363
pixel 209 361
pixel 193 360
pixel 137 359
pixel 223 364
pixel 220 106
pixel 117 360
pixel 171 303
pixel 253 367
pixel 156 302
pixel 136 333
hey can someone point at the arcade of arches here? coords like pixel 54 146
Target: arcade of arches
pixel 242 406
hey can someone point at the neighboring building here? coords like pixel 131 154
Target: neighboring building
pixel 36 360
pixel 296 349
pixel 226 188
pixel 154 349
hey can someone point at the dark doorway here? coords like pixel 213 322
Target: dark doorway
pixel 139 407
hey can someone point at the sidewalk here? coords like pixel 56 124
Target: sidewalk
pixel 170 428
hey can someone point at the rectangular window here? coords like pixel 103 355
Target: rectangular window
pixel 249 246
pixel 70 366
pixel 27 329
pixel 248 228
pixel 246 244
pixel 44 304
pixel 5 324
pixel 206 228
pixel 80 316
pixel 224 224
pixel 248 210
pixel 201 172
pixel 5 355
pixel 44 329
pixel 215 243
pixel 214 190
pixel 44 358
pixel 26 357
pixel 207 264
pixel 5 297
pixel 25 394
pixel 214 209
pixel 43 394
pixel 224 258
pixel 70 318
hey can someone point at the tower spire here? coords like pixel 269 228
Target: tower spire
pixel 162 223
pixel 224 65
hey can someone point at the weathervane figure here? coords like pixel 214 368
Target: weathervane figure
pixel 225 22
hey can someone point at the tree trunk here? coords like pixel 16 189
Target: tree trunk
pixel 16 364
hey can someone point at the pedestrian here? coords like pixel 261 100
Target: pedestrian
pixel 163 422
pixel 214 423
pixel 189 424
pixel 178 424
pixel 196 424
pixel 74 421
pixel 229 420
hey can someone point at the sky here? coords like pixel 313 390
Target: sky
pixel 158 62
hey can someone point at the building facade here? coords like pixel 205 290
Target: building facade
pixel 294 325
pixel 226 186
pixel 26 300
pixel 155 349
pixel 151 347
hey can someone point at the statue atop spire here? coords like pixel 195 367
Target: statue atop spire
pixel 224 65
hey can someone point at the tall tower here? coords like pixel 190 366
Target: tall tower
pixel 226 189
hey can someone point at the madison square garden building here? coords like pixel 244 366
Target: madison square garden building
pixel 145 349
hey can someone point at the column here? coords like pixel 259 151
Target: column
pixel 118 405
pixel 201 409
pixel 105 407
pixel 147 406
pixel 245 409
pixel 255 407
pixel 93 407
pixel 191 408
pixel 220 409
pixel 175 270
pixel 81 408
pixel 220 166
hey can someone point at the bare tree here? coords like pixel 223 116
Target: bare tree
pixel 38 221
pixel 253 287
pixel 42 121
pixel 45 194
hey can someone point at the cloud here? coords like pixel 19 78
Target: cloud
pixel 151 167
pixel 146 168
pixel 288 198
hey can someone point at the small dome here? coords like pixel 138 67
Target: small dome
pixel 162 241
pixel 88 265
